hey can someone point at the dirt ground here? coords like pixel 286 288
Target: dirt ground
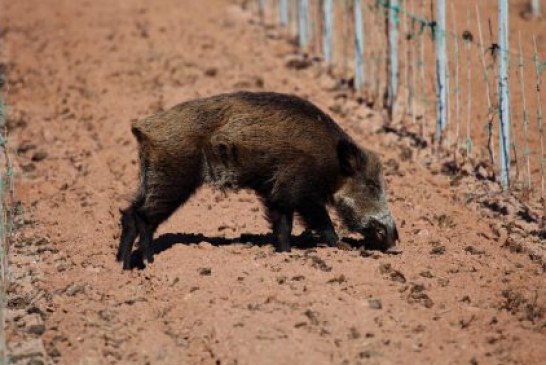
pixel 465 290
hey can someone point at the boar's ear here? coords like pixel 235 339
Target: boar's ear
pixel 351 159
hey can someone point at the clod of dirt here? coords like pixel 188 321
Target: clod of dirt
pixel 338 279
pixel 438 250
pixel 354 334
pixel 319 263
pixel 417 295
pixel 466 299
pixel 426 274
pixel 397 276
pixel 385 268
pixel 313 317
pixel 39 156
pixel 394 275
pixel 514 245
pixel 338 109
pixel 445 221
pixel 134 300
pixel 465 323
pixel 205 245
pixel 211 72
pixel 204 271
pixel 298 64
pixel 473 250
pixel 34 324
pixel 375 303
pixel 74 289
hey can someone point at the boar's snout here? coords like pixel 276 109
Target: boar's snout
pixel 380 232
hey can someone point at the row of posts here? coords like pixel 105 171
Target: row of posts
pixel 393 14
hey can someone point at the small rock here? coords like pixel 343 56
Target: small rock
pixel 375 303
pixel 438 250
pixel 385 268
pixel 74 289
pixel 337 109
pixel 34 324
pixel 417 295
pixel 205 245
pixel 338 279
pixel 211 72
pixel 204 271
pixel 354 334
pixel 298 64
pixel 473 250
pixel 259 82
pixel 397 276
pixel 445 221
pixel 426 274
pixel 313 317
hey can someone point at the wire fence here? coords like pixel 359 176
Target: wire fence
pixel 6 226
pixel 466 82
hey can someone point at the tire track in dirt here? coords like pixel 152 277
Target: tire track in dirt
pixel 454 295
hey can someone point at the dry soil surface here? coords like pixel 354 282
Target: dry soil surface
pixel 79 71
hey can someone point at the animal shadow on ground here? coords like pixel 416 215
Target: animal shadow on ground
pixel 166 241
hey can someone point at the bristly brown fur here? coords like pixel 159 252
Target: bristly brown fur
pixel 283 147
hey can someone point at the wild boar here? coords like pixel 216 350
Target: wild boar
pixel 293 155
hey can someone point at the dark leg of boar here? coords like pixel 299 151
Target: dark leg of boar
pixel 129 233
pixel 281 221
pixel 317 219
pixel 133 224
pixel 163 189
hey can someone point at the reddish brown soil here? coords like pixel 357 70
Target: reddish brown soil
pixel 78 72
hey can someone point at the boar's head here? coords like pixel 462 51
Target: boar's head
pixel 361 200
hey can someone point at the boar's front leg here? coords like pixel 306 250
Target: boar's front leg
pixel 129 233
pixel 281 220
pixel 316 218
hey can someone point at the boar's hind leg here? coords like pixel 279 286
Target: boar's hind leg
pixel 316 218
pixel 281 221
